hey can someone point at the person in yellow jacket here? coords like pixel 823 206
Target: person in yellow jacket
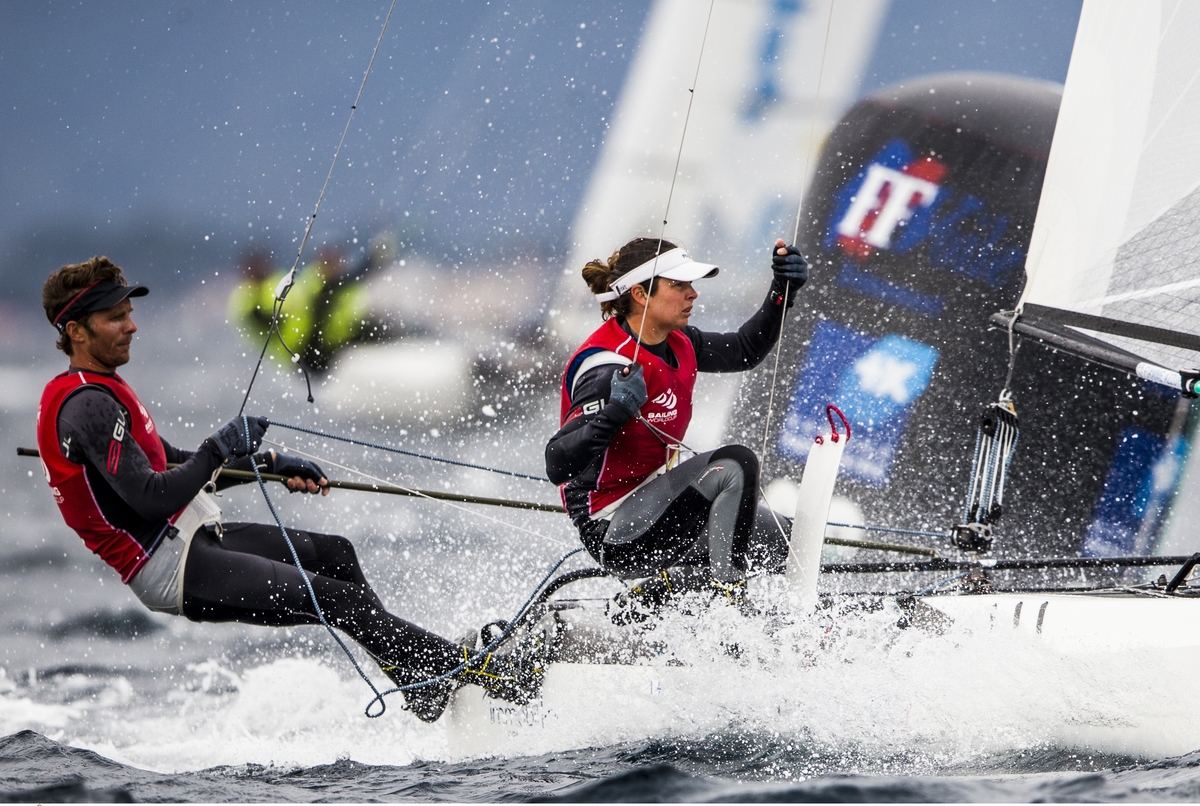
pixel 325 310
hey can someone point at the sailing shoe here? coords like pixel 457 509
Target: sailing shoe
pixel 426 703
pixel 641 601
pixel 515 676
pixel 732 593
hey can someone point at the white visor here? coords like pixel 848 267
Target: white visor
pixel 673 265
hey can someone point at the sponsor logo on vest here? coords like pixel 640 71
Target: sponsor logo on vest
pixel 147 418
pixel 667 400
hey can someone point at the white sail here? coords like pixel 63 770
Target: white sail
pixel 756 122
pixel 1118 227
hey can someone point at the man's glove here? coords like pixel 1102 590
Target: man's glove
pixel 791 271
pixel 629 389
pixel 232 439
pixel 288 466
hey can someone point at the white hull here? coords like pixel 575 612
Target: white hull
pixel 567 712
pixel 1100 673
pixel 1081 623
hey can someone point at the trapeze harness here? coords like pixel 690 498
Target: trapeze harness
pixel 637 452
pixel 152 569
pixel 645 514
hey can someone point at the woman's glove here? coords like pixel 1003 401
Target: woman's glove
pixel 629 389
pixel 241 436
pixel 791 270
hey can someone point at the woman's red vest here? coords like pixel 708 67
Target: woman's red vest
pixel 636 451
pixel 68 481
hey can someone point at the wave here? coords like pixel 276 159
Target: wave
pixel 34 767
pixel 128 624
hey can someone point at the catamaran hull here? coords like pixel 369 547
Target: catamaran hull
pixel 1079 623
pixel 1106 637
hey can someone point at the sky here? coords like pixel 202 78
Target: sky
pixel 175 135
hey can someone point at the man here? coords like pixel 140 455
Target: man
pixel 108 470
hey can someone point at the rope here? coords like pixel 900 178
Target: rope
pixel 812 129
pixel 286 283
pixel 914 532
pixel 481 654
pixel 416 493
pixel 362 443
pixel 943 583
pixel 312 595
pixel 674 175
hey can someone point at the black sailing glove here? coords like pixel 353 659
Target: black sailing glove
pixel 232 439
pixel 288 466
pixel 791 272
pixel 629 389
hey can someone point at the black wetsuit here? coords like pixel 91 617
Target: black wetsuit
pixel 677 509
pixel 247 575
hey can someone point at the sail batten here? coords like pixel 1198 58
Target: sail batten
pixel 1116 245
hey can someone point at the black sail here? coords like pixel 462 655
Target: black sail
pixel 917 223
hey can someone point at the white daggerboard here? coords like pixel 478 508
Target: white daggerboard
pixel 812 511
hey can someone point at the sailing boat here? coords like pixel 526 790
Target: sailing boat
pixel 1111 279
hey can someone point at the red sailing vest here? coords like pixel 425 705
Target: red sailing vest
pixel 636 451
pixel 68 481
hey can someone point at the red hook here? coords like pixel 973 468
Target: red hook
pixel 829 412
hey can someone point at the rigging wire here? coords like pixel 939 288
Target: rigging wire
pixel 285 284
pixel 674 175
pixel 414 492
pixel 362 443
pixel 812 130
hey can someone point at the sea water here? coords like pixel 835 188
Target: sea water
pixel 101 700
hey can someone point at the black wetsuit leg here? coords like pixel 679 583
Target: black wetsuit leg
pixel 701 512
pixel 248 576
pixel 770 543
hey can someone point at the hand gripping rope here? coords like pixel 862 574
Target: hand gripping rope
pixel 468 661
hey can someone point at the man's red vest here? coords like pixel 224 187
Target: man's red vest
pixel 68 481
pixel 636 451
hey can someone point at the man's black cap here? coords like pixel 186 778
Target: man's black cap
pixel 99 296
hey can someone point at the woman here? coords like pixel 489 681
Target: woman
pixel 626 405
